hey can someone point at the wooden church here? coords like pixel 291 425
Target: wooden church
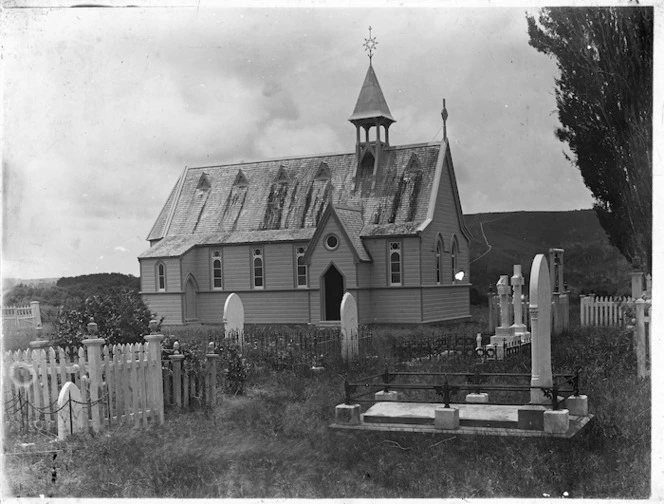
pixel 291 236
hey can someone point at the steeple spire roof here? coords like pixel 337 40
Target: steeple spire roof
pixel 371 103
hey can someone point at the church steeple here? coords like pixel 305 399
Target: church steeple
pixel 371 111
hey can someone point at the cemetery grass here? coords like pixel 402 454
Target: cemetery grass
pixel 275 441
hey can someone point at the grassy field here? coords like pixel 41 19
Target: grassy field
pixel 275 441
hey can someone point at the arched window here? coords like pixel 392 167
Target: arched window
pixel 259 279
pixel 394 252
pixel 216 270
pixel 439 261
pixel 161 277
pixel 301 267
pixel 455 257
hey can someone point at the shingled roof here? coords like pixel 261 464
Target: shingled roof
pixel 283 200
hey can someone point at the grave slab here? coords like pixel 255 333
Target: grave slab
pixel 474 419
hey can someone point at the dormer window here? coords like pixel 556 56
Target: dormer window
pixel 367 165
pixel 323 172
pixel 240 179
pixel 282 176
pixel 203 183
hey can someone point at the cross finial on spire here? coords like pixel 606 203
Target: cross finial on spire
pixel 370 45
pixel 443 114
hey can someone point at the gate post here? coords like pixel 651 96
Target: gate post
pixel 211 375
pixel 156 389
pixel 93 348
pixel 640 338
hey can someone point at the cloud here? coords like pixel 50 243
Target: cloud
pixel 121 249
pixel 104 107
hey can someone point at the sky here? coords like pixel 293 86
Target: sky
pixel 103 108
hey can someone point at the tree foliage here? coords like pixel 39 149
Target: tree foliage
pixel 121 317
pixel 604 98
pixel 69 290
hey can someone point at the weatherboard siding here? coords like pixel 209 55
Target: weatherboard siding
pixel 210 307
pixel 236 262
pixel 168 306
pixel 377 248
pixel 446 222
pixel 393 305
pixel 285 307
pixel 445 303
pixel 192 264
pixel 410 260
pixel 149 274
pixel 278 259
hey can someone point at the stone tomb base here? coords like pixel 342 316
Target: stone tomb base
pixel 477 419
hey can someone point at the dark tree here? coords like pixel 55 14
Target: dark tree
pixel 604 96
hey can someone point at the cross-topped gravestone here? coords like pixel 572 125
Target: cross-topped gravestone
pixel 540 328
pixel 234 317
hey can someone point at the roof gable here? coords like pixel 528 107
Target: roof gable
pixel 351 223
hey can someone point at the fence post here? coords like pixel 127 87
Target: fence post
pixel 211 376
pixel 93 348
pixel 177 359
pixel 637 284
pixel 36 314
pixel 156 390
pixel 640 338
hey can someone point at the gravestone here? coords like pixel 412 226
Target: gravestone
pixel 518 327
pixel 234 318
pixel 540 328
pixel 349 328
pixel 70 416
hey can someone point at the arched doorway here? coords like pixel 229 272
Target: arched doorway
pixel 190 290
pixel 333 293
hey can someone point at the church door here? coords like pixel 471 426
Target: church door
pixel 333 292
pixel 190 300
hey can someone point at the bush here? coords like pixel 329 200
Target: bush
pixel 121 317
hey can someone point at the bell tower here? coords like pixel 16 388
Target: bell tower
pixel 372 115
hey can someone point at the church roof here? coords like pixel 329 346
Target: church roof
pixel 284 200
pixel 371 102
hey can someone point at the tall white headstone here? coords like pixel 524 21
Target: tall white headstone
pixel 349 328
pixel 234 317
pixel 70 414
pixel 540 328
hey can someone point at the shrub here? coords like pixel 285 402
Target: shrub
pixel 121 317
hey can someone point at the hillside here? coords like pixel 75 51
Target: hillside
pixel 591 263
pixel 55 293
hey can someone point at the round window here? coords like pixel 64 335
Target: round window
pixel 331 241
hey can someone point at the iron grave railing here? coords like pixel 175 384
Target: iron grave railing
pixel 447 385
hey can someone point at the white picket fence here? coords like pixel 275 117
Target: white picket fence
pixel 603 311
pixel 22 316
pixel 119 383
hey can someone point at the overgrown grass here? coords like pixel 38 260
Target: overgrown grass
pixel 275 441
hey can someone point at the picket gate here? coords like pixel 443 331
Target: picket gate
pixel 22 316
